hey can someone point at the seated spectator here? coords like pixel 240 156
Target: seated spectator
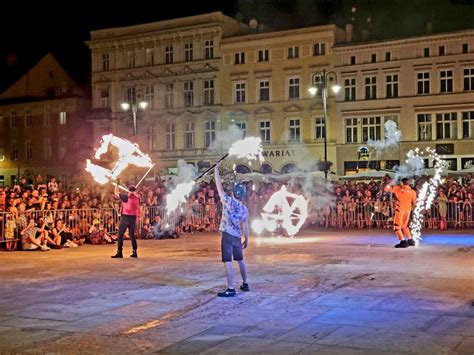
pixel 65 236
pixel 30 240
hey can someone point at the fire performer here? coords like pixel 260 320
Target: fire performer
pixel 234 221
pixel 406 199
pixel 129 212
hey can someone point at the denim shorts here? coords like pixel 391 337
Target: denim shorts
pixel 231 247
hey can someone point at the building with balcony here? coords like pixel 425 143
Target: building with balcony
pixel 43 128
pixel 425 84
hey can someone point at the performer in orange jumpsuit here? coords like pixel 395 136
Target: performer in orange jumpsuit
pixel 406 199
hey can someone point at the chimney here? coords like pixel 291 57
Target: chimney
pixel 349 32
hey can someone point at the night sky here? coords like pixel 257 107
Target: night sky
pixel 27 35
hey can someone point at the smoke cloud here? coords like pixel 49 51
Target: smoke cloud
pixel 225 139
pixel 413 164
pixel 392 138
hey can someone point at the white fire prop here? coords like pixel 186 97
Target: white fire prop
pixel 178 195
pixel 286 214
pixel 426 196
pixel 128 154
pixel 249 148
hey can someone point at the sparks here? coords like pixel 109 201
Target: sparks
pixel 286 214
pixel 178 196
pixel 249 148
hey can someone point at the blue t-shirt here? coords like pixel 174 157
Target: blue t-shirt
pixel 234 213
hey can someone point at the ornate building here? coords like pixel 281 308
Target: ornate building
pixel 43 131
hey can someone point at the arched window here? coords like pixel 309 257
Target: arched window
pixel 289 168
pixel 266 168
pixel 242 169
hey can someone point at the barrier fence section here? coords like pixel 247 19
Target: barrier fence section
pixel 200 218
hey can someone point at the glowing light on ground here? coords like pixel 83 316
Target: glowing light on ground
pixel 426 196
pixel 282 241
pixel 128 154
pixel 279 212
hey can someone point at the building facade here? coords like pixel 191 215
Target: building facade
pixel 425 84
pixel 43 131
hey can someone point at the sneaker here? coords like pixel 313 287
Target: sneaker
pixel 66 245
pixel 227 293
pixel 44 248
pixel 402 244
pixel 411 242
pixel 245 287
pixel 73 245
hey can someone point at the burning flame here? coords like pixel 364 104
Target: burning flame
pixel 178 195
pixel 426 196
pixel 286 214
pixel 128 154
pixel 249 148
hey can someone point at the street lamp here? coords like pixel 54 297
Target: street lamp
pixel 321 81
pixel 133 105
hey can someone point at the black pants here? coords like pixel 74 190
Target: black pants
pixel 127 222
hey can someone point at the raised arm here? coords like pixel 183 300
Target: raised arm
pixel 217 177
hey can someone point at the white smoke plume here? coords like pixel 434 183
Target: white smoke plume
pixel 225 139
pixel 392 138
pixel 413 164
pixel 186 172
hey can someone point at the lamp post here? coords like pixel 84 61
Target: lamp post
pixel 320 81
pixel 134 107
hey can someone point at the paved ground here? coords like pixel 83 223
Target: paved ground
pixel 323 292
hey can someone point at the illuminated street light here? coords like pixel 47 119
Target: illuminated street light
pixel 321 81
pixel 126 106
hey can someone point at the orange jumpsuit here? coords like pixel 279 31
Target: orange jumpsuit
pixel 406 198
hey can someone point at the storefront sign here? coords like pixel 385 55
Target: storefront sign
pixel 278 153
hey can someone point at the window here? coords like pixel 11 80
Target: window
pixel 209 49
pixel 468 79
pixel 294 130
pixel 373 58
pixel 14 152
pixel 188 52
pixel 351 130
pixel 350 89
pixel 130 95
pixel 468 124
pixel 242 126
pixel 170 136
pixel 104 98
pixel 105 62
pixel 169 95
pixel 371 129
pixel 130 59
pixel 188 94
pixel 149 57
pixel 441 50
pixel 149 96
pixel 189 135
pixel 392 85
pixel 28 150
pixel 62 117
pixel 239 58
pixel 264 90
pixel 48 149
pixel 371 88
pixel 240 92
pixel 28 117
pixel 446 81
pixel 62 147
pixel 47 116
pixel 353 59
pixel 446 125
pixel 319 49
pixel 425 127
pixel 388 56
pixel 265 131
pixel 426 52
pixel 319 129
pixel 151 138
pixel 209 133
pixel 294 88
pixel 169 55
pixel 13 120
pixel 465 48
pixel 423 81
pixel 293 52
pixel 209 92
pixel 263 55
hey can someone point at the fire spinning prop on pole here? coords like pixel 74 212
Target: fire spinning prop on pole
pixel 426 196
pixel 128 154
pixel 290 216
pixel 249 148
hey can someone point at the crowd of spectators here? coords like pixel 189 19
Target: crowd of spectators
pixel 45 215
